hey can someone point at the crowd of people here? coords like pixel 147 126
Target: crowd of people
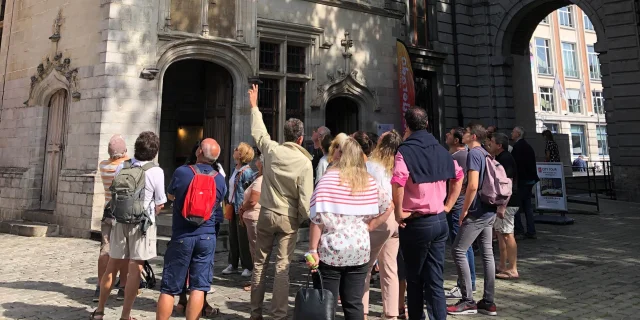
pixel 385 204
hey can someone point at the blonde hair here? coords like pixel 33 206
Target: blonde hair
pixel 385 151
pixel 338 140
pixel 245 153
pixel 352 167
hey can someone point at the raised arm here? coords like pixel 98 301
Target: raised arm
pixel 258 129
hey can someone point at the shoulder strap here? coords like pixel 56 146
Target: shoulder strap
pixel 148 166
pixel 127 164
pixel 195 169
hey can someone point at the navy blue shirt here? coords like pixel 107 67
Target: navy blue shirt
pixel 476 161
pixel 178 187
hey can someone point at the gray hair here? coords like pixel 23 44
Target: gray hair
pixel 502 140
pixel 293 130
pixel 207 152
pixel 323 131
pixel 520 131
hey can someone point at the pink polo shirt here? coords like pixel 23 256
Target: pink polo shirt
pixel 426 198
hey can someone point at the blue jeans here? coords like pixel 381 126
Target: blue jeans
pixel 524 191
pixel 189 255
pixel 423 241
pixel 453 219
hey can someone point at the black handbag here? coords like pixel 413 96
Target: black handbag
pixel 314 304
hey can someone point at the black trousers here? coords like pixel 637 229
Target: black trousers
pixel 348 284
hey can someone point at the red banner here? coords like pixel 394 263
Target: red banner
pixel 406 88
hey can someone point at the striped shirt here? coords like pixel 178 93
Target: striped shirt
pixel 345 218
pixel 107 173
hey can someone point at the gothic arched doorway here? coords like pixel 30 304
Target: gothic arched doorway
pixel 54 148
pixel 341 115
pixel 197 99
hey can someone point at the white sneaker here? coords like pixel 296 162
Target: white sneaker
pixel 228 270
pixel 454 293
pixel 246 273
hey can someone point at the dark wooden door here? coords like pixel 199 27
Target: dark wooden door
pixel 341 115
pixel 219 103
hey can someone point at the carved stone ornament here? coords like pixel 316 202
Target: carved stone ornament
pixel 60 66
pixel 56 27
pixel 351 85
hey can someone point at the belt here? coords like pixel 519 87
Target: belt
pixel 420 215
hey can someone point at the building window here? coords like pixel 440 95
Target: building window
pixel 565 15
pixel 295 100
pixel 543 56
pixel 418 10
pixel 573 98
pixel 553 127
pixel 545 20
pixel 598 102
pixel 578 140
pixel 296 59
pixel 269 56
pixel 587 22
pixel 594 64
pixel 570 62
pixel 282 94
pixel 268 102
pixel 546 99
pixel 603 146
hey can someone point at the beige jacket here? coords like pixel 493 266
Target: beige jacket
pixel 287 182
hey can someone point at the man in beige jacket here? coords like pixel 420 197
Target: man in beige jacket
pixel 287 186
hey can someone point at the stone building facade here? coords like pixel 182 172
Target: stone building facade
pixel 77 72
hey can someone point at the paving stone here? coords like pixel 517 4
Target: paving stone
pixel 584 271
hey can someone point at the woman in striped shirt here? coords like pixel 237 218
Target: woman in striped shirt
pixel 346 205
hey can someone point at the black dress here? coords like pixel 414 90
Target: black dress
pixel 552 148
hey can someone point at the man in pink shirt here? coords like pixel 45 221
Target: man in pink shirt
pixel 422 169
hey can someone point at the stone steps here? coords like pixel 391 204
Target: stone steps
pixel 29 228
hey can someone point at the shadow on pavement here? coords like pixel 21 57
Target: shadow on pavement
pixel 21 310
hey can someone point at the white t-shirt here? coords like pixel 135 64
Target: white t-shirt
pixel 154 194
pixel 322 168
pixel 380 175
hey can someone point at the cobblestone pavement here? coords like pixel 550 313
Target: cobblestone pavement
pixel 585 271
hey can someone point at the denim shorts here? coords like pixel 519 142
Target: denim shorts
pixel 192 256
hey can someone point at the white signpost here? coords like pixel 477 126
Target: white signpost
pixel 551 192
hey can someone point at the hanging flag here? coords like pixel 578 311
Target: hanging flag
pixel 406 87
pixel 534 78
pixel 559 87
pixel 583 90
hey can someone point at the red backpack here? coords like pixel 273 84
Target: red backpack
pixel 200 198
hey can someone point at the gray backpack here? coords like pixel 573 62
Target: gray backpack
pixel 127 193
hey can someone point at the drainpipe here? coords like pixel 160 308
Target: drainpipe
pixel 456 63
pixel 6 61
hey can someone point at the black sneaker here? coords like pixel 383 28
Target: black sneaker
pixel 462 308
pixel 96 295
pixel 120 295
pixel 487 308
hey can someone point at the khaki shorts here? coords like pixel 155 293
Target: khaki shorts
pixel 105 230
pixel 127 242
pixel 506 225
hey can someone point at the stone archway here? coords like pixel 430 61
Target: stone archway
pixel 229 57
pixel 504 72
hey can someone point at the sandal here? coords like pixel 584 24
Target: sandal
pixel 209 311
pixel 95 314
pixel 505 275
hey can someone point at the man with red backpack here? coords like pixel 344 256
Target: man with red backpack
pixel 488 191
pixel 196 191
